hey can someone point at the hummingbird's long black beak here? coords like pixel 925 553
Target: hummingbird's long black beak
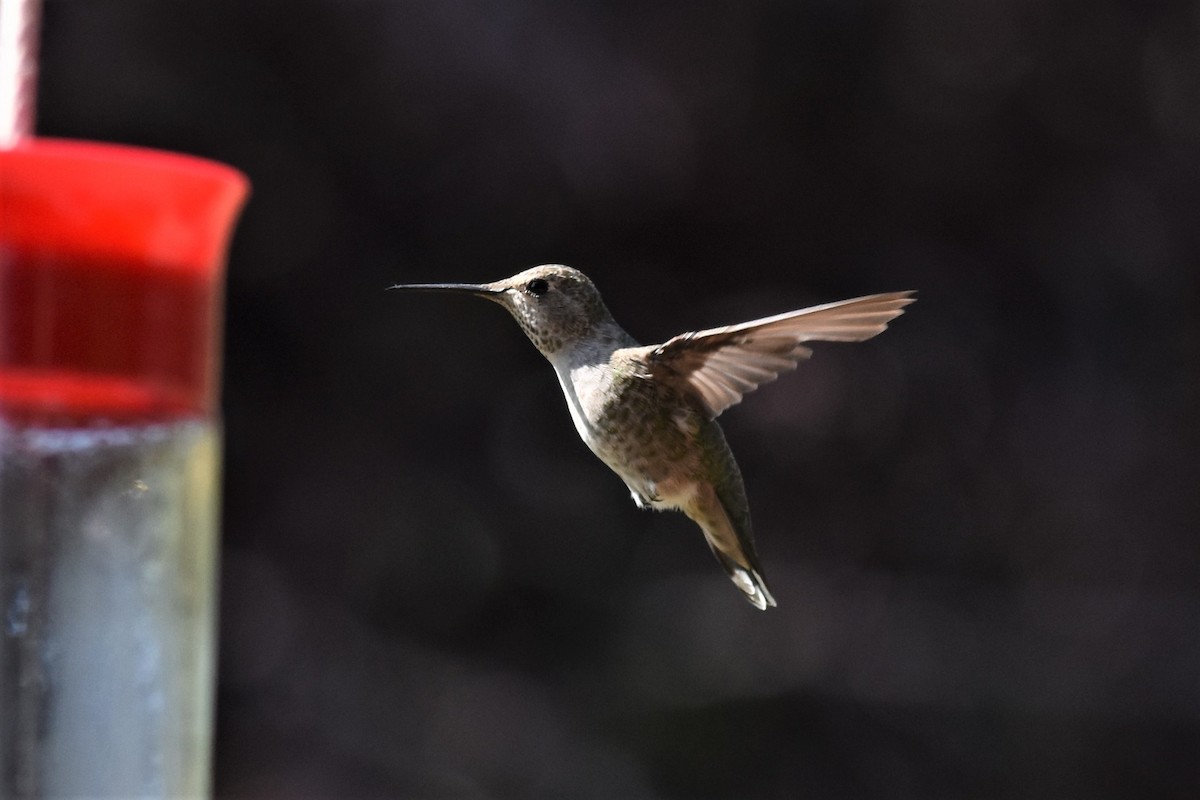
pixel 480 290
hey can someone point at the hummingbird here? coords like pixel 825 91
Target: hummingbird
pixel 649 412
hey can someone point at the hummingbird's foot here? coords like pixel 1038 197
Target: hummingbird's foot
pixel 642 501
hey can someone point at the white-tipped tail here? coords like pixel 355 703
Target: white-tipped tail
pixel 753 585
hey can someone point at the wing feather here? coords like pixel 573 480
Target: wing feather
pixel 720 365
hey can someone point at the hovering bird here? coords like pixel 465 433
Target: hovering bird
pixel 649 411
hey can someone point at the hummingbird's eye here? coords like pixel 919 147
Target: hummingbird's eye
pixel 538 286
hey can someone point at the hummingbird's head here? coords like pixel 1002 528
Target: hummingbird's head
pixel 556 306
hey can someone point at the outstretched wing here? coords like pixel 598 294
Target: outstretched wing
pixel 720 365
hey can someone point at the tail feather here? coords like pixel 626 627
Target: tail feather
pixel 748 580
pixel 733 545
pixel 719 508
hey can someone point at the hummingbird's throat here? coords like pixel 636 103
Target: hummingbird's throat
pixel 546 338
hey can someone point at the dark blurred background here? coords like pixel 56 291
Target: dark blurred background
pixel 981 527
